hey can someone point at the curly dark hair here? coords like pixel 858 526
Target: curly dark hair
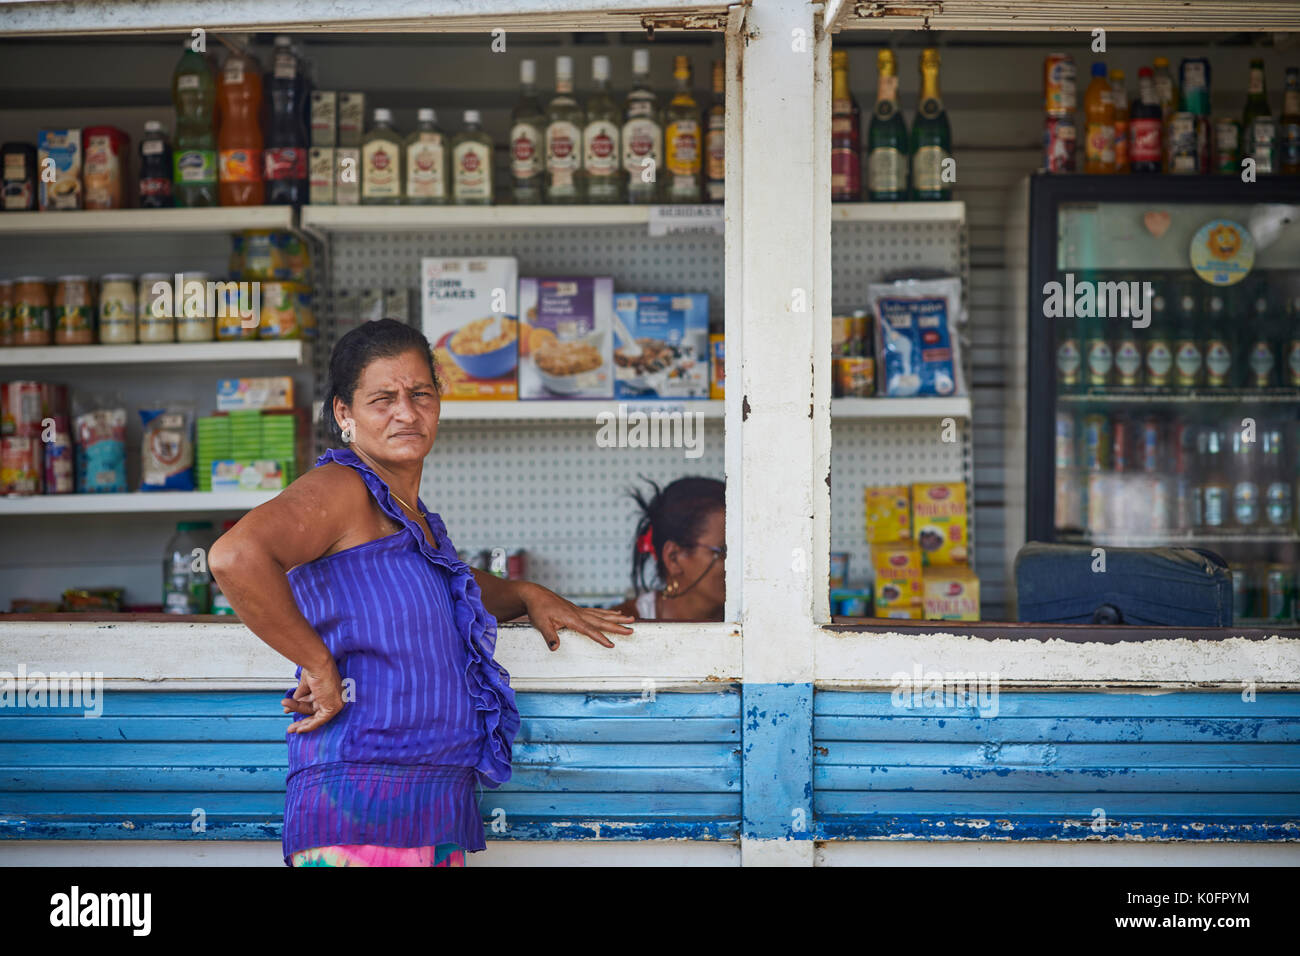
pixel 384 338
pixel 676 512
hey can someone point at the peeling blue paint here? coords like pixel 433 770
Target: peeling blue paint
pixel 777 787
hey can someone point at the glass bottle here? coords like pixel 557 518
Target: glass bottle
pixel 1167 95
pixel 527 150
pixel 1189 343
pixel 887 137
pixel 1157 346
pixel 1259 131
pixel 1219 349
pixel 600 152
pixel 471 160
pixel 643 136
pixel 1119 95
pixel 931 135
pixel 1289 138
pixel 381 162
pixel 1260 352
pixel 683 138
pixel 846 133
pixel 426 162
pixel 715 139
pixel 564 122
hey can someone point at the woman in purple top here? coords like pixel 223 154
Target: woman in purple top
pixel 400 708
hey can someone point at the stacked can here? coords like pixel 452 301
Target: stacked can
pixel 1060 98
pixel 35 439
pixel 1189 128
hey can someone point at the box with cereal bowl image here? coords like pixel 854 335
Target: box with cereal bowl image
pixel 939 522
pixel 565 341
pixel 469 313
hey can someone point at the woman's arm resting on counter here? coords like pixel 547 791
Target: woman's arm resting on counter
pixel 546 610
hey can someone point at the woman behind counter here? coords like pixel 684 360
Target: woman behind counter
pixel 347 574
pixel 683 530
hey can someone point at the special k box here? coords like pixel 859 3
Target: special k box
pixel 898 578
pixel 566 350
pixel 889 514
pixel 469 310
pixel 950 594
pixel 939 522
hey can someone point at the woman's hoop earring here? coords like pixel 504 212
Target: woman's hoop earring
pixel 349 431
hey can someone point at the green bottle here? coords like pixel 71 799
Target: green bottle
pixel 1259 130
pixel 931 136
pixel 887 137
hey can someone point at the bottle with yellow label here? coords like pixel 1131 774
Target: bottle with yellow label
pixel 683 138
pixel 716 138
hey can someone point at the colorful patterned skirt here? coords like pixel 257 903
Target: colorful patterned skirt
pixel 444 854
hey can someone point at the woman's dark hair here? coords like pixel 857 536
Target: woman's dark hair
pixel 357 349
pixel 676 512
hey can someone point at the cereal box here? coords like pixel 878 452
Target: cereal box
pixel 470 316
pixel 889 514
pixel 238 394
pixel 668 354
pixel 62 147
pixel 939 522
pixel 566 329
pixel 950 594
pixel 898 577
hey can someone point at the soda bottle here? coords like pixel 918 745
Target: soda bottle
pixel 285 159
pixel 1145 128
pixel 194 170
pixel 155 168
pixel 1099 137
pixel 239 140
pixel 1119 93
pixel 1289 145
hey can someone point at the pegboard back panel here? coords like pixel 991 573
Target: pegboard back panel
pixel 866 252
pixel 552 490
pixel 864 454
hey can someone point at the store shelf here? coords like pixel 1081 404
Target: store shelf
pixel 174 353
pixel 156 502
pixel 893 409
pixel 571 411
pixel 954 211
pixel 327 219
pixel 1139 396
pixel 123 221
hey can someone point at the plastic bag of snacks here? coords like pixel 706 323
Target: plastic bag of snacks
pixel 917 344
pixel 167 448
pixel 100 435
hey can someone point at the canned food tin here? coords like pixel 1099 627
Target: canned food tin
pixel 1096 443
pixel 196 320
pixel 257 259
pixel 1227 146
pixel 20 465
pixel 1060 84
pixel 841 335
pixel 117 309
pixel 57 471
pixel 1065 440
pixel 1119 445
pixel 1184 150
pixel 6 312
pixel 862 333
pixel 157 322
pixel 1149 445
pixel 231 307
pixel 517 565
pixel 279 311
pixel 23 405
pixel 73 322
pixel 1060 144
pixel 855 377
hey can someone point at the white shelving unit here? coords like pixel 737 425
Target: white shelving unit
pixel 842 409
pixel 177 353
pixel 136 502
pixel 323 220
pixel 126 221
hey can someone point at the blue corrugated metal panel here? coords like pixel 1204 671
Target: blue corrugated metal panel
pixel 778 761
pixel 585 765
pixel 1058 766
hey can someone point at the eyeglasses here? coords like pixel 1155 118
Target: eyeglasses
pixel 719 552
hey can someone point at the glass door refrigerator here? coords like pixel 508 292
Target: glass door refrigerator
pixel 1164 372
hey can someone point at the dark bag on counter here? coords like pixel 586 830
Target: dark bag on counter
pixel 1157 587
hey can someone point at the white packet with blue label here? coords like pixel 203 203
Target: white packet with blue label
pixel 918 348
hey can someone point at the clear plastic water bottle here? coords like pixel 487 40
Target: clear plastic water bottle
pixel 186 580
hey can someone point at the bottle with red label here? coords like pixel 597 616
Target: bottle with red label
pixel 846 135
pixel 1146 126
pixel 155 168
pixel 527 150
pixel 285 157
pixel 239 139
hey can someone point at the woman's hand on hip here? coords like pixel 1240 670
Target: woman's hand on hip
pixel 549 613
pixel 319 696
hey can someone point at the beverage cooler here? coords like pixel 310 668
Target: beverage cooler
pixel 1164 372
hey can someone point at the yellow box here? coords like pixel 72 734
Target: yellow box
pixel 901 613
pixel 939 522
pixel 951 594
pixel 898 577
pixel 889 515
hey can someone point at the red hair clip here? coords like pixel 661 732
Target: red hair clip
pixel 645 544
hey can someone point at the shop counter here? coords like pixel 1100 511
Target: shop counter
pixel 914 732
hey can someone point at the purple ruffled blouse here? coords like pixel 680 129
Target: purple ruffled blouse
pixel 428 712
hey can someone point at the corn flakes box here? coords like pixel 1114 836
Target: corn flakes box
pixel 939 522
pixel 898 578
pixel 950 594
pixel 889 514
pixel 469 312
